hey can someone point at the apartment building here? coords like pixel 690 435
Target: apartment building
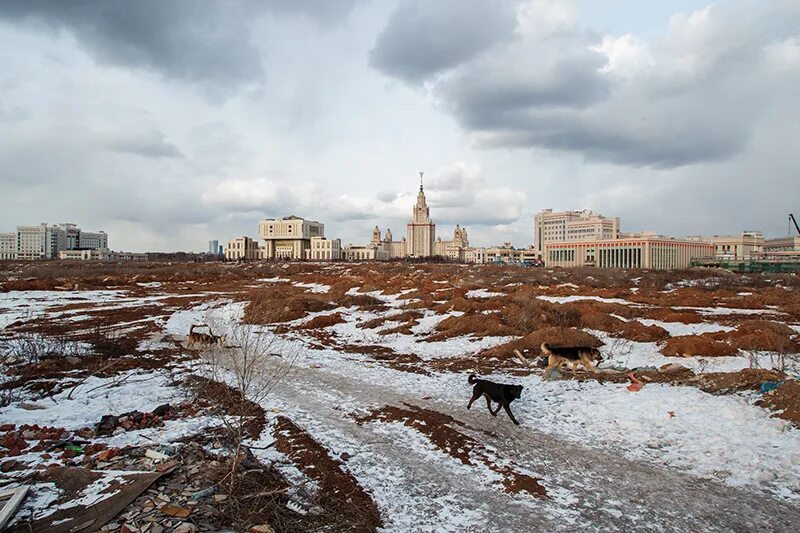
pixel 243 248
pixel 90 240
pixel 8 245
pixel 323 249
pixel 743 246
pixel 643 250
pixel 44 241
pixel 288 237
pixel 571 226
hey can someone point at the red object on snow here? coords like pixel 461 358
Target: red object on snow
pixel 635 385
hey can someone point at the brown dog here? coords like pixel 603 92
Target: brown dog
pixel 572 356
pixel 204 339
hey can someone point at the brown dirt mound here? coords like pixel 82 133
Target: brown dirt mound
pixel 530 344
pixel 323 321
pixel 636 331
pixel 668 315
pixel 786 400
pixel 407 317
pixel 706 345
pixel 350 507
pixel 764 335
pixel 477 325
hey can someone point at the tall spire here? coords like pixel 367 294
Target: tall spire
pixel 420 181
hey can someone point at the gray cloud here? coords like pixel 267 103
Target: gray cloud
pixel 692 97
pixel 188 40
pixel 423 38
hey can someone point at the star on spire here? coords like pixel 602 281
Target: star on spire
pixel 420 181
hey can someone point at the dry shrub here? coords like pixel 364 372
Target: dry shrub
pixel 323 321
pixel 476 325
pixel 557 336
pixel 764 335
pixel 467 305
pixel 282 303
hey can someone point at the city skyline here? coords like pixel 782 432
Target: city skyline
pixel 679 119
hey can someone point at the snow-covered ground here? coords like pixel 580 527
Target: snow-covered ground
pixel 609 458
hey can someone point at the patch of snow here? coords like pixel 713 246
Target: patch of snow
pixel 483 293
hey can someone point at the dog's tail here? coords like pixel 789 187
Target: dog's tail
pixel 472 379
pixel 545 348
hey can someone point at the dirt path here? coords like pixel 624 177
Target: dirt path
pixel 421 488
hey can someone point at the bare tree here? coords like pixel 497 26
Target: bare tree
pixel 251 363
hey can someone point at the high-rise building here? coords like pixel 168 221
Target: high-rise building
pixel 44 241
pixel 421 229
pixel 213 247
pixel 571 226
pixel 8 245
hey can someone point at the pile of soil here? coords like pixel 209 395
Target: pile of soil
pixel 323 321
pixel 706 345
pixel 728 382
pixel 476 325
pixel 346 505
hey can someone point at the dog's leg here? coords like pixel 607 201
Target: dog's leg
pixel 489 405
pixel 475 395
pixel 510 414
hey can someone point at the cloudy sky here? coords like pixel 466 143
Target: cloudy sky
pixel 169 123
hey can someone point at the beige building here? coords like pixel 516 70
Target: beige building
pixel 8 245
pixel 44 241
pixel 634 251
pixel 781 245
pixel 393 248
pixel 288 237
pixel 421 229
pixel 365 252
pixel 743 246
pixel 243 248
pixel 323 249
pixel 421 238
pixel 571 226
pixel 506 254
pixel 101 254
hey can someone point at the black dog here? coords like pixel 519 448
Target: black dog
pixel 498 392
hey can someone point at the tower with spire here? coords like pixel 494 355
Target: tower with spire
pixel 421 230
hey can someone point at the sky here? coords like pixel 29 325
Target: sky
pixel 168 124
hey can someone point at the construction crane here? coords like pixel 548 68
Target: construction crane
pixel 791 217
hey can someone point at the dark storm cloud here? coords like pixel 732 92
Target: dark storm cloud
pixel 189 40
pixel 425 37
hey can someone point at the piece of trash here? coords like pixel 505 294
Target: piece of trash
pixel 296 507
pixel 426 397
pixel 10 500
pixel 31 406
pixel 158 456
pixel 74 448
pixel 671 414
pixel 635 385
pixel 769 386
pixel 645 378
pixel 205 493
